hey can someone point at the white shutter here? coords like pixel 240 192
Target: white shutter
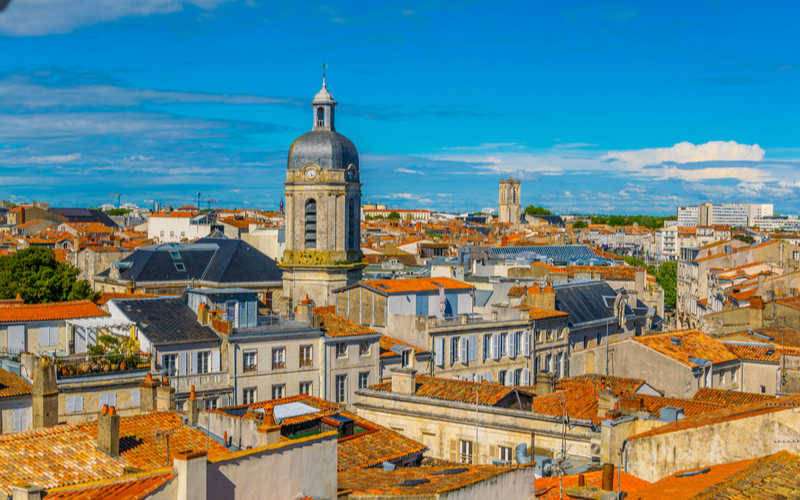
pixel 512 345
pixel 487 376
pixel 215 361
pixel 135 397
pixel 473 348
pixel 54 334
pixel 44 335
pixel 464 345
pixel 193 364
pixel 183 369
pixel 495 346
pixel 438 350
pixel 510 375
pixel 224 401
pixel 526 343
pixel 17 420
pixel 526 376
pixel 69 404
pixel 78 403
pixel 478 377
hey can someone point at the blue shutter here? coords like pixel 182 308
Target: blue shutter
pixel 451 305
pixel 438 349
pixel 473 348
pixel 422 305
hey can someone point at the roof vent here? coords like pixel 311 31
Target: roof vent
pixel 694 473
pixel 671 413
pixel 675 341
pixel 770 352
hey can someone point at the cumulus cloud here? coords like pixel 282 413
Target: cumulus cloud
pixel 686 152
pixel 46 17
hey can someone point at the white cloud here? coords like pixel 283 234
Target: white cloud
pixel 686 152
pixel 46 17
pixel 43 160
pixel 409 171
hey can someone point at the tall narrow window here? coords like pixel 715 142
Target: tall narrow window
pixel 351 225
pixel 311 223
pixel 320 116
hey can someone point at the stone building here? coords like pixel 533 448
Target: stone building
pixel 510 205
pixel 323 203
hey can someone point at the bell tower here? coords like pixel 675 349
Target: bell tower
pixel 323 210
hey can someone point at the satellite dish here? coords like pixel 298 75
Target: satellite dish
pixel 4 4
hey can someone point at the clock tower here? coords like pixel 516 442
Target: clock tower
pixel 323 210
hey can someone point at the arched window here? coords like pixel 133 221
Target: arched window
pixel 320 116
pixel 351 224
pixel 311 223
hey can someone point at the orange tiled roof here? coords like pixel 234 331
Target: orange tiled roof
pixel 67 454
pixel 374 446
pixel 762 353
pixel 175 215
pixel 50 312
pixel 776 476
pixel 12 385
pixel 542 313
pixel 387 343
pixel 417 285
pixel 131 489
pixel 461 391
pixel 728 398
pixel 693 344
pixel 725 414
pixel 336 326
pixel 549 488
pixel 378 482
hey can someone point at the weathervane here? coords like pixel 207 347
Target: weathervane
pixel 324 67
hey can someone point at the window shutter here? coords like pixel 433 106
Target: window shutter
pixel 493 451
pixel 183 369
pixel 78 405
pixel 512 345
pixel 193 363
pixel 510 377
pixel 526 376
pixel 487 376
pixel 438 349
pixel 464 344
pixel 44 335
pixel 495 346
pixel 70 404
pixel 215 361
pixel 473 348
pixel 453 350
pixel 54 335
pixel 135 397
pixel 478 377
pixel 17 420
pixel 454 450
pixel 526 343
pixel 224 401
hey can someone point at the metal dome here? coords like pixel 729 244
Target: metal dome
pixel 325 148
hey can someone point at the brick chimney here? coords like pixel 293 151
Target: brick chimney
pixel 192 410
pixel 404 381
pixel 544 383
pixel 45 394
pixel 191 468
pixel 166 397
pixel 108 431
pixel 606 401
pixel 147 394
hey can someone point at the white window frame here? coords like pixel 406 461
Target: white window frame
pixel 363 380
pixel 465 451
pixel 361 350
pixel 249 395
pixel 306 349
pixel 203 363
pixel 280 389
pixel 341 349
pixel 170 368
pixel 250 361
pixel 340 388
pixel 308 388
pixel 504 454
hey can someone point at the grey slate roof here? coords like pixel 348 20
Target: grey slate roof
pixel 84 215
pixel 586 301
pixel 166 320
pixel 217 261
pixel 325 148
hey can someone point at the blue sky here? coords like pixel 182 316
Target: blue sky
pixel 626 107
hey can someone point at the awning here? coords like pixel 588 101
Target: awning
pixel 101 322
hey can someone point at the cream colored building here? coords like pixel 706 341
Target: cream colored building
pixel 178 226
pixel 510 204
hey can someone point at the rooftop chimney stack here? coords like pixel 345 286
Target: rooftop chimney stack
pixel 191 468
pixel 608 477
pixel 26 492
pixel 192 410
pixel 404 381
pixel 166 397
pixel 147 394
pixel 45 394
pixel 544 383
pixel 108 431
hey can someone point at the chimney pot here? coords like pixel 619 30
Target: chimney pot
pixel 104 411
pixel 581 480
pixel 191 395
pixel 112 410
pixel 148 377
pixel 608 477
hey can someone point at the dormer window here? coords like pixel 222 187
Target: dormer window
pixel 175 255
pixel 180 267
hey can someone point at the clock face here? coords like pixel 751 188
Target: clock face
pixel 311 174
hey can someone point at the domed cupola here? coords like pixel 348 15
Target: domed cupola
pixel 323 146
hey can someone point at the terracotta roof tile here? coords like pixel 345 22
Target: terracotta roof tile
pixel 728 398
pixel 67 454
pixel 762 353
pixel 132 489
pixel 693 344
pixel 454 390
pixel 12 385
pixel 336 326
pixel 50 312
pixel 548 488
pixel 542 313
pixel 386 344
pixel 417 285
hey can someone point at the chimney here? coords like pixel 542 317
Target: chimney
pixel 608 477
pixel 606 402
pixel 404 381
pixel 549 297
pixel 166 397
pixel 191 468
pixel 192 410
pixel 269 432
pixel 45 394
pixel 147 394
pixel 544 383
pixel 29 363
pixel 202 314
pixel 26 492
pixel 108 431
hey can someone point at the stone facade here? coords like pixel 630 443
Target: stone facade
pixel 510 204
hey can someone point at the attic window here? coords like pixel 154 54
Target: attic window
pixel 675 341
pixel 175 255
pixel 180 267
pixel 770 352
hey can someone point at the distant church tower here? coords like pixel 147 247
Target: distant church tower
pixel 510 210
pixel 323 208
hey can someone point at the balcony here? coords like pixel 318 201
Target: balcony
pixel 278 365
pixel 81 365
pixel 250 369
pixel 200 381
pixel 305 363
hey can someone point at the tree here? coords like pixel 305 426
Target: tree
pixel 745 238
pixel 393 216
pixel 38 277
pixel 580 224
pixel 118 211
pixel 667 278
pixel 537 210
